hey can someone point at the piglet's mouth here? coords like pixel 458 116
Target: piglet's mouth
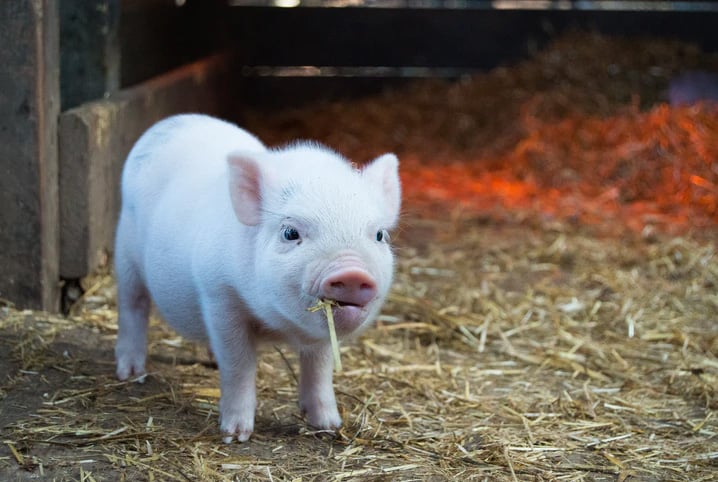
pixel 348 315
pixel 342 304
pixel 337 303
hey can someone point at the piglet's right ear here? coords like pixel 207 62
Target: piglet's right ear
pixel 245 187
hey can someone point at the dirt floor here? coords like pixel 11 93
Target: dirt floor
pixel 506 352
pixel 535 331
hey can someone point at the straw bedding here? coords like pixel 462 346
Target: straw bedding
pixel 527 336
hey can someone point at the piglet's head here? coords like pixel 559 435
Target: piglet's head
pixel 321 230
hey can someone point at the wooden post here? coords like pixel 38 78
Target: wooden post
pixel 29 108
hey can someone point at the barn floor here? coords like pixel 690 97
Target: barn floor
pixel 549 321
pixel 506 352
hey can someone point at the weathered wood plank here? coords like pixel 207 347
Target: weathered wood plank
pixel 29 106
pixel 95 139
pixel 90 47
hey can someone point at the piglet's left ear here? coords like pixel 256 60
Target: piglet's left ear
pixel 384 173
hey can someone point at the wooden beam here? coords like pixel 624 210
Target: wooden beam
pixel 29 106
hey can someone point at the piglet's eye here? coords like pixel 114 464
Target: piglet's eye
pixel 290 234
pixel 382 236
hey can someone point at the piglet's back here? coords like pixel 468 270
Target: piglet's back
pixel 187 149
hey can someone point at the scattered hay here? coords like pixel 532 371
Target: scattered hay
pixel 561 357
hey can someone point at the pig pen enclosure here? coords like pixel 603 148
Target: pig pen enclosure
pixel 554 314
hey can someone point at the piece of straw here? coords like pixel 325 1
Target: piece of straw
pixel 327 306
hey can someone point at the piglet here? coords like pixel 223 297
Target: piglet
pixel 233 242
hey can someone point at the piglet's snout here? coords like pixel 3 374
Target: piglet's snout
pixel 349 286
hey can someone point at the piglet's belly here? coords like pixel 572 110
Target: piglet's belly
pixel 187 323
pixel 176 300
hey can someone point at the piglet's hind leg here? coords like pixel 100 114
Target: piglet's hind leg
pixel 133 303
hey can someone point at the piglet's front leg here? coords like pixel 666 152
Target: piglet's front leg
pixel 316 393
pixel 234 348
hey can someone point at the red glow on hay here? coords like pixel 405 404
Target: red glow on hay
pixel 657 168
